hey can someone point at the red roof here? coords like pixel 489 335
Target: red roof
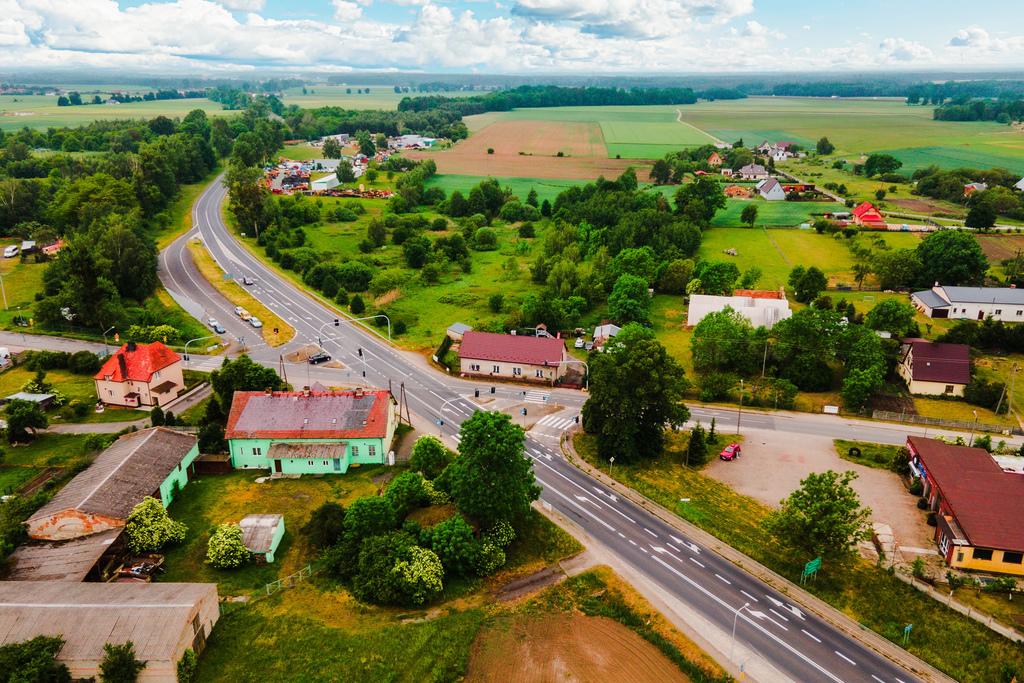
pixel 946 363
pixel 511 348
pixel 317 415
pixel 140 362
pixel 758 293
pixel 987 502
pixel 867 213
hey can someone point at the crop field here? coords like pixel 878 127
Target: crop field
pixel 379 97
pixel 547 188
pixel 530 149
pixel 40 111
pixel 959 157
pixel 773 214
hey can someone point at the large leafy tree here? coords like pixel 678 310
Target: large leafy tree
pixel 879 164
pixel 23 417
pixel 149 528
pixel 33 660
pixel 721 341
pixel 492 481
pixel 629 300
pixel 951 257
pixel 248 199
pixel 636 390
pixel 896 268
pixel 892 315
pixel 429 456
pixel 242 374
pixel 325 526
pixel 225 549
pixel 823 517
pixel 807 283
pixel 700 200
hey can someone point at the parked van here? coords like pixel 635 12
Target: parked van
pixel 11 251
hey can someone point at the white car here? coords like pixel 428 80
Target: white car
pixel 255 322
pixel 238 310
pixel 11 251
pixel 579 343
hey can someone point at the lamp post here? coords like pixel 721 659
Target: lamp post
pixel 440 414
pixel 106 351
pixel 735 618
pixel 212 336
pixel 974 426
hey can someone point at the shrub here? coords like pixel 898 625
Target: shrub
pixel 489 559
pixel 916 488
pixel 187 666
pixel 406 492
pixel 429 456
pixel 325 526
pixel 149 528
pixel 485 239
pixel 455 545
pixel 501 534
pixel 119 664
pixel 357 306
pixel 527 231
pixel 715 386
pixel 33 661
pixel 84 363
pixel 922 503
pixel 225 549
pixel 496 302
pixel 438 225
pixel 399 327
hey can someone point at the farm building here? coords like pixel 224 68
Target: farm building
pixel 411 142
pixel 161 619
pixel 867 216
pixel 310 432
pixel 978 506
pixel 971 188
pixel 44 401
pixel 76 559
pixel 152 462
pixel 934 369
pixel 456 330
pixel 261 535
pixel 715 159
pixel 604 332
pixel 738 192
pixel 140 375
pixel 53 249
pixel 753 172
pixel 510 356
pixel 971 303
pixel 770 190
pixel 763 308
pixel 328 182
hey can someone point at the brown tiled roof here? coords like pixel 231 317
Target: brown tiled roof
pixel 932 362
pixel 511 348
pixel 987 502
pixel 318 415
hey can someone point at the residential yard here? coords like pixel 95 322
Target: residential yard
pixel 52 450
pixel 961 411
pixel 80 388
pixel 864 592
pixel 547 188
pixel 21 281
pixel 773 214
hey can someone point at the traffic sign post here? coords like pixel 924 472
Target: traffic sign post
pixel 906 633
pixel 810 570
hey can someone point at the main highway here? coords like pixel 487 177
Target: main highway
pixel 776 639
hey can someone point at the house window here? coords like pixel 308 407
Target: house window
pixel 373 450
pixel 982 554
pixel 1013 558
pixel 474 368
pixel 156 375
pixel 517 371
pixel 355 451
pixel 310 462
pixel 539 373
pixel 337 464
pixel 999 311
pixel 944 544
pixel 1019 313
pixel 959 557
pixel 326 462
pixel 495 368
pixel 257 451
pixel 949 388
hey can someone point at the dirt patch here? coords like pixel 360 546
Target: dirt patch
pixel 567 647
pixel 1000 247
pixel 387 298
pixel 513 590
pixel 431 515
pixel 529 149
pixel 919 205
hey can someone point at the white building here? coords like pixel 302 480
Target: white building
pixel 753 172
pixel 771 190
pixel 971 303
pixel 762 308
pixel 1020 184
pixel 328 182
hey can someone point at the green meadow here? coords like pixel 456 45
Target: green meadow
pixel 40 111
pixel 546 188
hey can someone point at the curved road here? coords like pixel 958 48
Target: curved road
pixel 776 640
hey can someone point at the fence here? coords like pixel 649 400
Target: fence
pixel 230 605
pixel 939 422
pixel 289 581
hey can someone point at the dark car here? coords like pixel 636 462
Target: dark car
pixel 318 357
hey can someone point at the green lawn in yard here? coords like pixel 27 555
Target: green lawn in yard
pixel 546 188
pixel 864 592
pixel 41 112
pixel 773 214
pixel 13 477
pixel 876 455
pixel 21 281
pixel 961 411
pixel 50 450
pixel 79 388
pixel 302 152
pixel 668 318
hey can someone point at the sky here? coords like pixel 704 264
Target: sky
pixel 199 37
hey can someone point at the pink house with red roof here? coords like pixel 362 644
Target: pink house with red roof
pixel 511 356
pixel 140 375
pixel 867 216
pixel 310 432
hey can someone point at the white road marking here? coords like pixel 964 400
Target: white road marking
pixel 845 657
pixel 877 678
pixel 621 535
pixel 777 614
pixel 723 579
pixel 762 615
pixel 811 635
pixel 643 549
pixel 673 547
pixel 749 595
pixel 632 542
pixel 650 532
pixel 697 562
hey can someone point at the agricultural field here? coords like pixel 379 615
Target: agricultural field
pixel 380 96
pixel 40 111
pixel 547 188
pixel 773 214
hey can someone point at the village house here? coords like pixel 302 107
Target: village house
pixel 310 432
pixel 753 172
pixel 934 369
pixel 510 356
pixel 770 190
pixel 971 188
pixel 152 462
pixel 978 505
pixel 867 216
pixel 140 375
pixel 604 332
pixel 161 619
pixel 715 160
pixel 971 303
pixel 763 308
pixel 1020 185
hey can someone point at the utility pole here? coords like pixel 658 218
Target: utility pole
pixel 739 411
pixel 1009 400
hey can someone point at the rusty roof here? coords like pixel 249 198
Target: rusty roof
pixel 309 415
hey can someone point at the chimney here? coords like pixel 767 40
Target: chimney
pixel 131 347
pixel 123 364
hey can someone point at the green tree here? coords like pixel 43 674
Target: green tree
pixel 721 342
pixel 156 416
pixel 225 549
pixel 822 518
pixel 332 150
pixel 880 164
pixel 749 215
pixel 119 664
pixel 376 232
pixel 365 142
pixel 454 543
pixel 892 315
pixel 33 661
pixel 636 391
pixel 697 447
pixel 416 250
pixel 248 200
pixel 825 147
pixel 429 456
pixel 896 268
pixel 492 480
pixel 810 284
pixel 629 300
pixel 675 276
pixel 149 528
pixel 356 305
pixel 242 374
pixel 661 172
pixel 700 200
pixel 981 216
pixel 716 277
pixel 951 257
pixel 326 525
pixel 22 417
pixel 531 198
pixel 406 493
pixel 860 384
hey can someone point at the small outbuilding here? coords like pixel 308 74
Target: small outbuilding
pixel 44 401
pixel 328 182
pixel 261 534
pixel 456 330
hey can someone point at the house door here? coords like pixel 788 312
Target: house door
pixel 277 465
pixel 981 315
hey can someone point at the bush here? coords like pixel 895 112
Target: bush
pixel 149 528
pixel 485 239
pixel 489 559
pixel 496 302
pixel 931 519
pixel 916 488
pixel 225 549
pixel 325 526
pixel 715 386
pixel 527 231
pixel 187 666
pixel 357 306
pixel 84 363
pixel 406 492
pixel 33 661
pixel 119 664
pixel 429 456
pixel 438 225
pixel 455 545
pixel 399 327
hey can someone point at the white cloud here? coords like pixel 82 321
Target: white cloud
pixel 901 50
pixel 977 39
pixel 243 5
pixel 756 29
pixel 643 19
pixel 346 11
pixel 973 36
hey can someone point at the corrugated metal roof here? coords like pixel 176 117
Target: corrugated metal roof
pixel 931 299
pixel 60 560
pixel 258 532
pixel 985 295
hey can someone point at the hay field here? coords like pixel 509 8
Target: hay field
pixel 41 112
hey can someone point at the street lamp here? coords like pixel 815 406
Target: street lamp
pixel 739 411
pixel 106 351
pixel 212 336
pixel 974 426
pixel 440 414
pixel 735 618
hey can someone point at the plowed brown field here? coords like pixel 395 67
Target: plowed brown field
pixel 529 149
pixel 566 648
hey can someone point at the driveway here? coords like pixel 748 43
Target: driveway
pixel 773 463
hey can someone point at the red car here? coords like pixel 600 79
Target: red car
pixel 730 452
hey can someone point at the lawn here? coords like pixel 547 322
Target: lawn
pixel 20 281
pixel 41 112
pixel 80 388
pixel 547 188
pixel 13 477
pixel 874 455
pixel 773 214
pixel 961 411
pixel 864 592
pixel 50 450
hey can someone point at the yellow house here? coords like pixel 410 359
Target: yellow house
pixel 140 375
pixel 977 505
pixel 934 369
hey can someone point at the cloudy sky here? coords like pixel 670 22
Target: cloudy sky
pixel 512 36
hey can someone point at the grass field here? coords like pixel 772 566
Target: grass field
pixel 864 592
pixel 79 388
pixel 20 283
pixel 49 450
pixel 39 111
pixel 547 188
pixel 773 214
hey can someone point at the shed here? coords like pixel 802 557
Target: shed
pixel 456 330
pixel 73 560
pixel 43 400
pixel 161 619
pixel 261 534
pixel 328 182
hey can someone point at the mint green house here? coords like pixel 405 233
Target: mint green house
pixel 310 432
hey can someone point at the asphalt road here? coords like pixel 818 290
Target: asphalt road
pixel 771 631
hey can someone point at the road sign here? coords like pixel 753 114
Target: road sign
pixel 906 633
pixel 810 569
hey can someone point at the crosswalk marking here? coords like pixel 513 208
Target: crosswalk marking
pixel 561 423
pixel 535 397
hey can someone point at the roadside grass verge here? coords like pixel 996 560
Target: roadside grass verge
pixel 874 455
pixel 949 641
pixel 961 411
pixel 237 295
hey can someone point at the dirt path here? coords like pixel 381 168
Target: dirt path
pixel 679 118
